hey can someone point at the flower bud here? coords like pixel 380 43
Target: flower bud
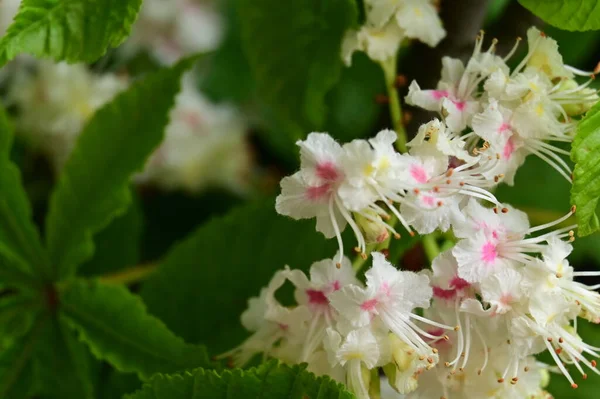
pixel 404 370
pixel 587 98
pixel 373 228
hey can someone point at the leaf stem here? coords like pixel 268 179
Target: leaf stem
pixel 430 246
pixel 131 275
pixel 389 71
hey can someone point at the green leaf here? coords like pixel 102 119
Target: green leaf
pixel 293 49
pixel 114 323
pixel 93 186
pixel 269 381
pixel 70 30
pixel 586 185
pixel 17 232
pixel 217 268
pixel 573 15
pixel 17 314
pixel 16 366
pixel 62 364
pixel 118 245
pixel 356 90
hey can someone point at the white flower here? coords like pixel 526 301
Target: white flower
pixel 56 101
pixel 434 139
pixel 204 146
pixel 8 9
pixel 544 55
pixel 380 43
pixel 358 352
pixel 172 29
pixel 390 296
pixel 418 19
pixel 503 290
pixel 325 279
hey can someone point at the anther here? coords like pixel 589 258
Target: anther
pixel 357 250
pixel 382 99
pixel 456 328
pixel 363 255
pixel 526 369
pixel 440 203
pixel 500 380
pixel 495 210
pixel 400 81
pixel 397 236
pixel 436 189
pixel 448 181
pixel 416 191
pixel 560 340
pixel 584 376
pixel 449 172
pixel 504 210
pixel 593 363
pixel 429 360
pixel 574 386
pixel 462 184
pixel 573 208
pixel 549 339
pixel 338 265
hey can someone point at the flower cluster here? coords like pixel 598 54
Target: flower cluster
pixel 388 24
pixel 502 293
pixel 170 30
pixel 56 101
pixel 515 113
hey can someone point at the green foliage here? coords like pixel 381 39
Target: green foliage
pixel 357 89
pixel 21 251
pixel 118 245
pixel 16 366
pixel 115 325
pixel 93 187
pixel 293 49
pixel 62 364
pixel 572 15
pixel 40 354
pixel 269 381
pixel 70 30
pixel 222 264
pixel 586 185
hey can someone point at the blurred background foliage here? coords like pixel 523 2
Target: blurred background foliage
pixel 237 239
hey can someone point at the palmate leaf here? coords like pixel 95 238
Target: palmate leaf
pixel 93 186
pixel 293 48
pixel 21 252
pixel 573 15
pixel 62 364
pixel 16 362
pixel 212 273
pixel 115 325
pixel 70 30
pixel 586 184
pixel 269 381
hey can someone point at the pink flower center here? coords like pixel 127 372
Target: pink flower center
pixel 506 299
pixel 460 105
pixel 328 171
pixel 316 193
pixel 458 283
pixel 439 94
pixel 488 252
pixel 316 297
pixel 441 293
pixel 428 200
pixel 418 173
pixel 504 127
pixel 508 150
pixel 336 285
pixel 283 327
pixel 369 305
